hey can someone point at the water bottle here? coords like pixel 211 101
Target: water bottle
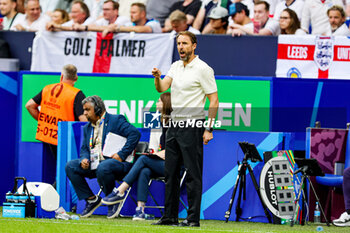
pixel 9 197
pixel 16 197
pixel 22 198
pixel 317 214
pixel 74 217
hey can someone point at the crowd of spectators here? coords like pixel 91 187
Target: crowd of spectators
pixel 232 17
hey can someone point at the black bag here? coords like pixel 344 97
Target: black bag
pixel 29 204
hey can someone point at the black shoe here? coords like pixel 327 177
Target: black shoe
pixel 91 207
pixel 166 222
pixel 113 211
pixel 186 223
pixel 74 209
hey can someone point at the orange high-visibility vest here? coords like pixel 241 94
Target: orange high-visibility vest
pixel 57 104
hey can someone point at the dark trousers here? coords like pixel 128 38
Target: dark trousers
pixel 142 171
pixel 183 145
pixel 49 163
pixel 107 172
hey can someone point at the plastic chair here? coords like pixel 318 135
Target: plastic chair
pixel 332 180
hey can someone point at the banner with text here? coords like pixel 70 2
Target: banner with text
pixel 313 57
pixel 127 53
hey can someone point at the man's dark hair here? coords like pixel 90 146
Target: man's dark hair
pixel 267 5
pixel 115 4
pixel 189 34
pixel 246 10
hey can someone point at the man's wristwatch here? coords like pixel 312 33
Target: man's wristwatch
pixel 210 130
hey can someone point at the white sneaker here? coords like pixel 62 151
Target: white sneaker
pixel 343 220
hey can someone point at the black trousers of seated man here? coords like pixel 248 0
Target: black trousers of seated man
pixel 183 146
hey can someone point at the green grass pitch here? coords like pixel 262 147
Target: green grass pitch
pixel 101 224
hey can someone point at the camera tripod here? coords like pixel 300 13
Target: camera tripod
pixel 241 181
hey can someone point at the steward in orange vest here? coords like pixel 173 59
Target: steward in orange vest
pixel 59 102
pixel 57 105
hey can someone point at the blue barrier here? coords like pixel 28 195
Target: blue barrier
pixel 69 142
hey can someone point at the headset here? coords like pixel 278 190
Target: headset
pixel 97 108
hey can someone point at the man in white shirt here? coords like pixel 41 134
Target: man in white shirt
pixel 336 15
pixel 315 15
pixel 191 81
pixel 110 16
pixel 33 20
pixel 139 21
pixel 263 25
pixel 11 16
pixel 295 5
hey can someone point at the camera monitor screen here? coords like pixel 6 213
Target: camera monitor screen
pixel 250 151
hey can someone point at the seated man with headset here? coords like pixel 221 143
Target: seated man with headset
pixel 92 163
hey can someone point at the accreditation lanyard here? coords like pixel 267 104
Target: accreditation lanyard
pixel 13 19
pixel 92 143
